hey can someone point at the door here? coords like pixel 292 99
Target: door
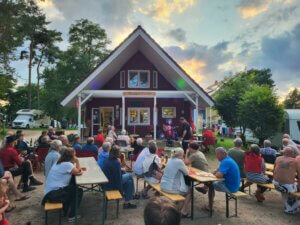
pixel 106 117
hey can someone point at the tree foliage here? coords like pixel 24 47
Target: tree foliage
pixel 237 93
pixel 292 100
pixel 7 82
pixel 261 112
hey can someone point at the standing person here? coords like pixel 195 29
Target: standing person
pixel 238 155
pixel 112 133
pixel 208 138
pixel 118 181
pixel 285 169
pixel 255 171
pixel 59 186
pixel 186 133
pixel 229 171
pixel 10 159
pixel 161 211
pixel 173 180
pixel 52 156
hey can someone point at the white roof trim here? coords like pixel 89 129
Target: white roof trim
pixel 121 48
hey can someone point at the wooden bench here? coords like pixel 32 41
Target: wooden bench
pixel 234 196
pixel 269 173
pixel 296 194
pixel 52 207
pixel 173 197
pixel 111 196
pixel 269 185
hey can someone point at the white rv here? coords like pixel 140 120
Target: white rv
pixel 31 118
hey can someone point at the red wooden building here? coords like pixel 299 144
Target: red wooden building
pixel 137 87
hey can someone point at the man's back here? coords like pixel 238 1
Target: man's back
pixel 138 165
pixel 285 170
pixel 238 156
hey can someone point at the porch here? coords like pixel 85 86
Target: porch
pixel 145 111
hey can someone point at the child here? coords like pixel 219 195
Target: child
pixel 4 203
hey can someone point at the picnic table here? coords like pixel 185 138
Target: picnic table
pixel 202 177
pixel 269 166
pixel 94 176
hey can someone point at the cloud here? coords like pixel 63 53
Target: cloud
pixel 251 8
pixel 178 34
pixel 51 11
pixel 162 10
pixel 202 62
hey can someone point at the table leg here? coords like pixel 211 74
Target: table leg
pixel 103 206
pixel 210 198
pixel 76 203
pixel 192 200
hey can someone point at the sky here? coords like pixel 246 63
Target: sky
pixel 210 39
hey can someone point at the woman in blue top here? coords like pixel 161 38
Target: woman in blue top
pixel 118 180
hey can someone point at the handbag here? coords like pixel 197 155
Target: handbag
pixel 154 171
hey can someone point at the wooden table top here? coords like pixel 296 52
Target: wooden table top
pixel 202 176
pixel 93 173
pixel 269 166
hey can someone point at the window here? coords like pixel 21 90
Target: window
pixel 138 116
pixel 122 79
pixel 138 79
pixel 168 112
pixel 155 79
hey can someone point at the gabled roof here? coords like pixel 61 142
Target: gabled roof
pixel 138 40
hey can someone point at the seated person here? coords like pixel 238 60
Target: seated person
pixel 90 146
pixel 138 147
pixel 43 134
pixel 138 165
pixel 51 133
pixel 161 211
pixel 124 137
pixel 104 154
pixel 285 169
pixel 116 180
pixel 196 159
pixel 52 156
pixel 99 139
pixel 17 165
pixel 21 145
pixel 208 138
pixel 255 171
pixel 238 155
pixel 76 144
pixel 268 153
pixel 64 140
pixel 59 187
pixel 173 180
pixel 229 170
pixel 151 168
pixel 45 140
pixel 4 204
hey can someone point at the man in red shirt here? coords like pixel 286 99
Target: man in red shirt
pixel 99 139
pixel 17 165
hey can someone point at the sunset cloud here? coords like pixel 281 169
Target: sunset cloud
pixel 194 68
pixel 251 8
pixel 50 10
pixel 162 10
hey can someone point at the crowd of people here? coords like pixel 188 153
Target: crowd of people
pixel 61 165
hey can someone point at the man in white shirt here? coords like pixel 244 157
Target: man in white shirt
pixel 138 165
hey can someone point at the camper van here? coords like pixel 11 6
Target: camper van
pixel 30 118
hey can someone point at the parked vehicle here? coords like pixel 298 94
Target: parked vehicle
pixel 30 118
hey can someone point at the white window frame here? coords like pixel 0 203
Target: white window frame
pixel 122 79
pixel 139 71
pixel 162 115
pixel 155 79
pixel 138 109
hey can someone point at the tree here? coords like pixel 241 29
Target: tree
pixel 260 111
pixel 229 96
pixel 46 52
pixel 292 100
pixel 87 48
pixel 7 82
